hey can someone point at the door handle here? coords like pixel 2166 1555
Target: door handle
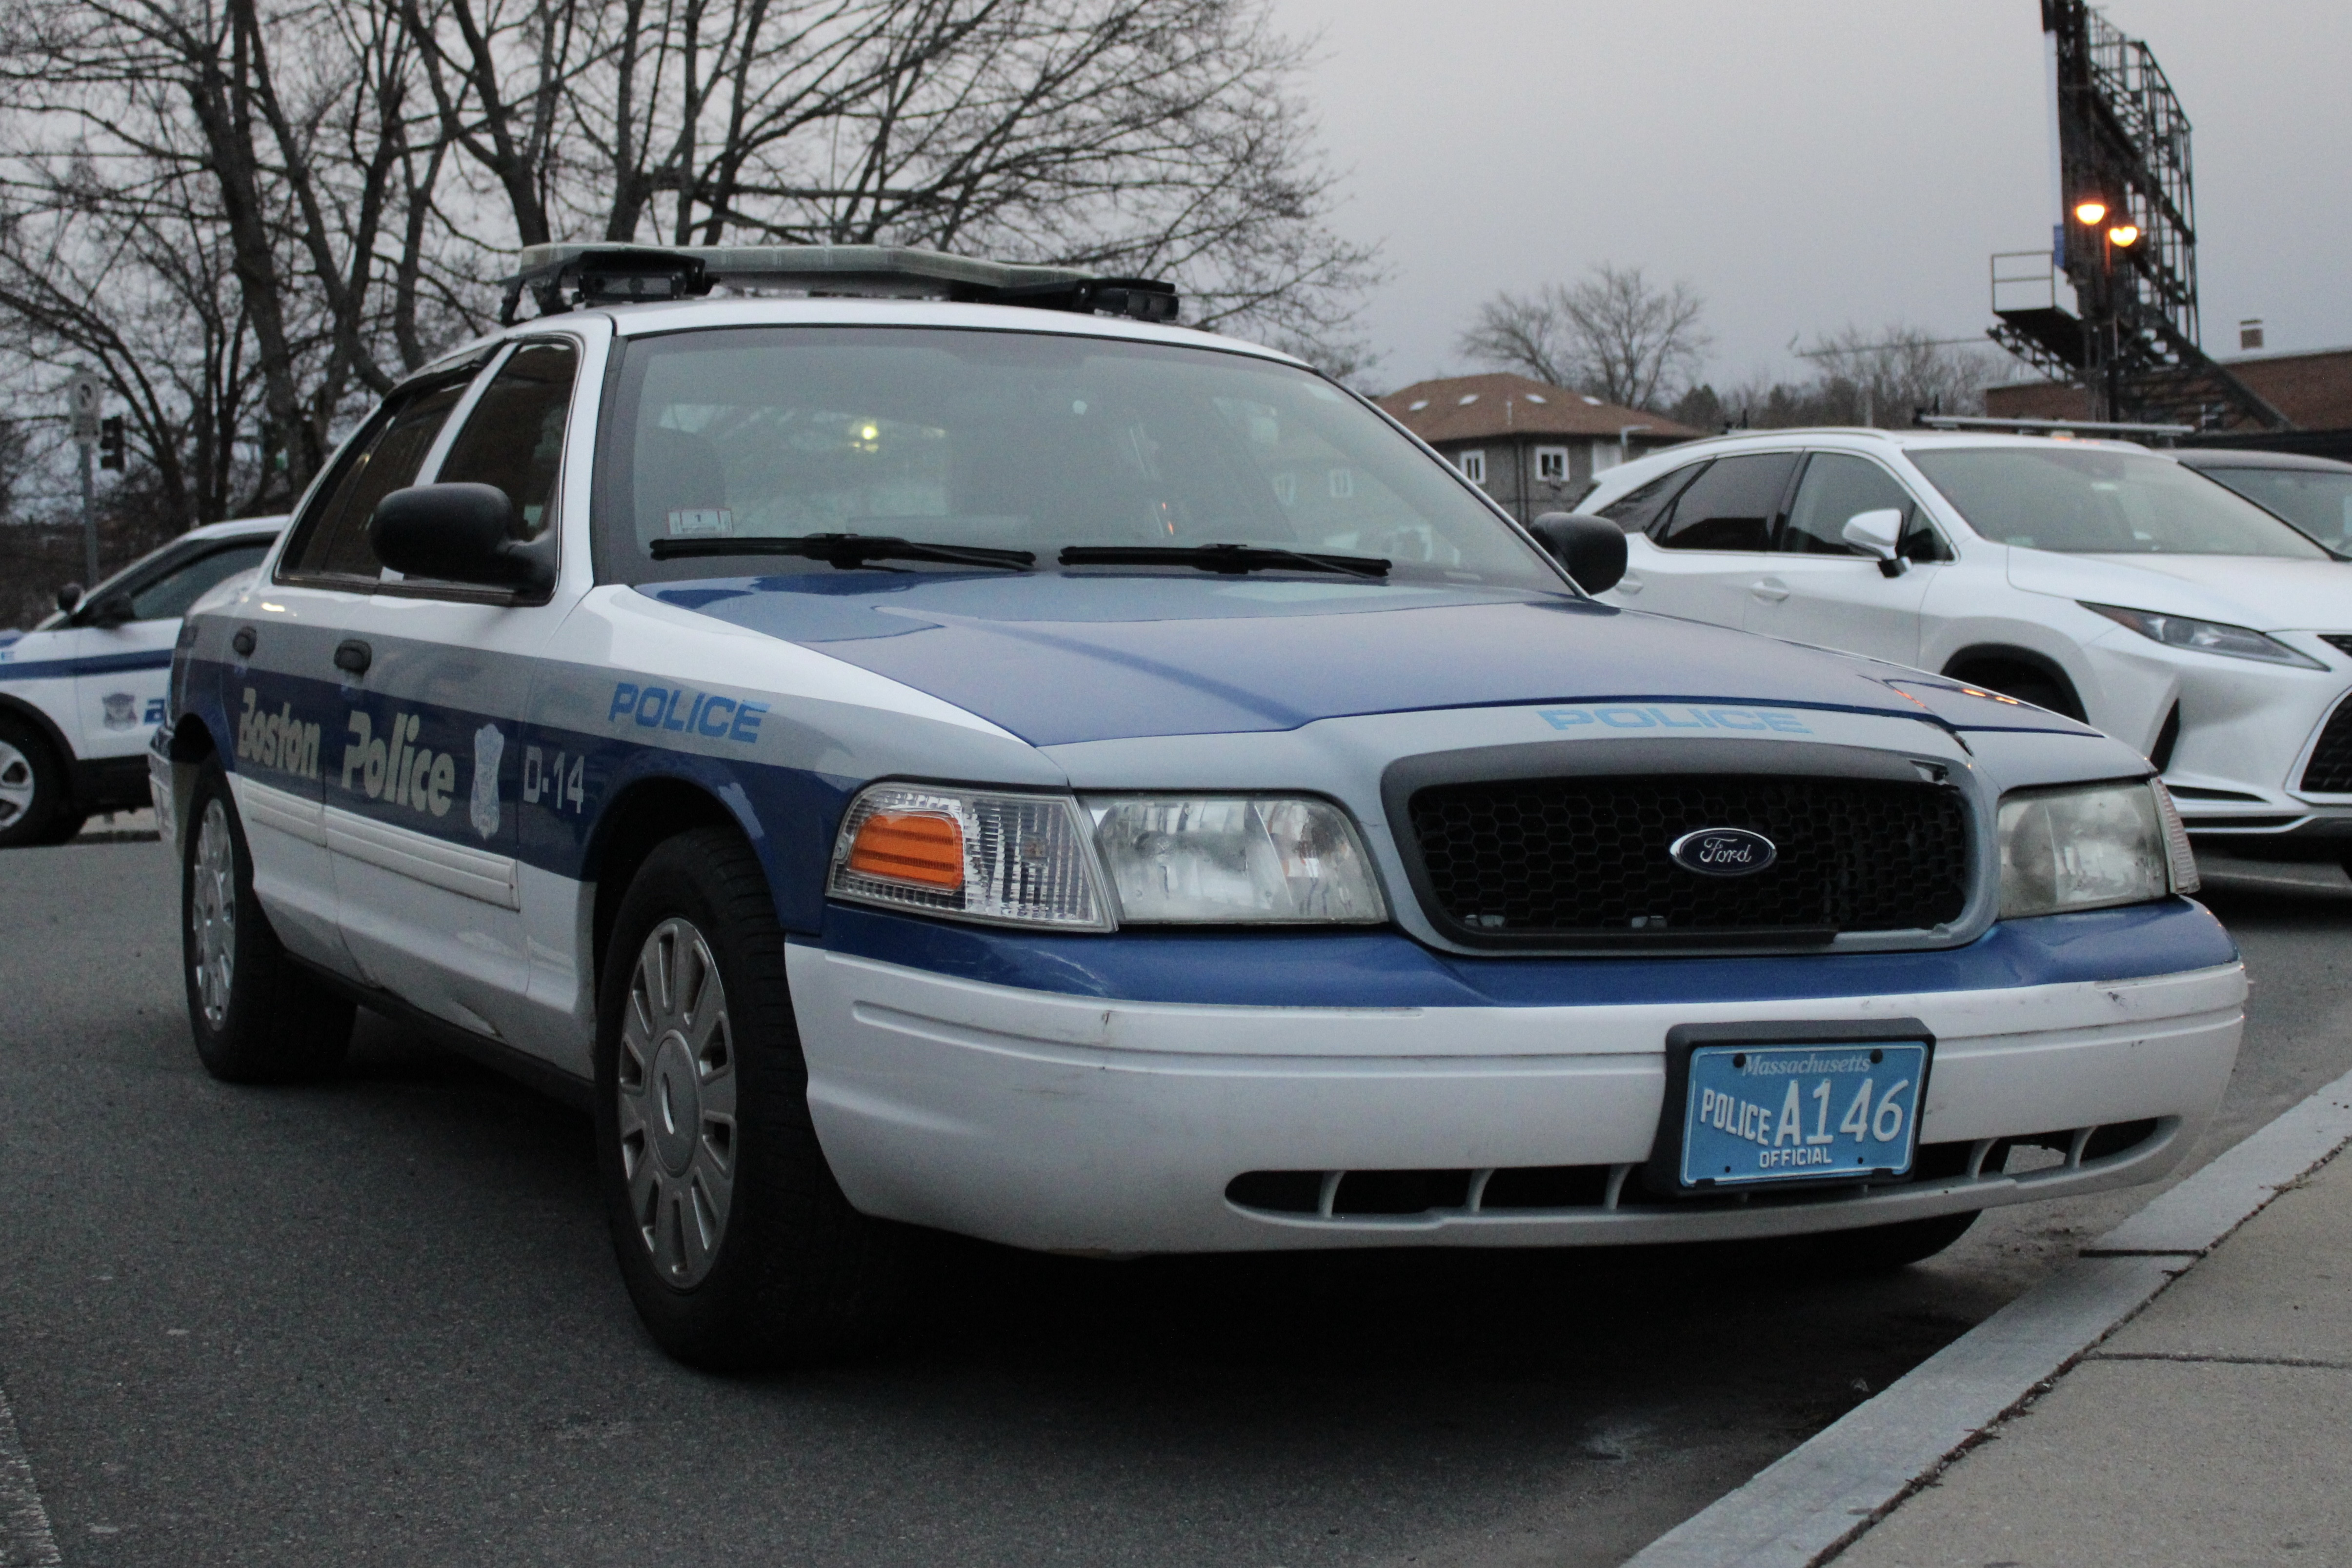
pixel 1771 590
pixel 353 657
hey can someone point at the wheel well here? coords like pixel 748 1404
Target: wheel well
pixel 192 740
pixel 45 726
pixel 632 825
pixel 1991 666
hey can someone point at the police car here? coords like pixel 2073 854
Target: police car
pixel 81 693
pixel 2096 578
pixel 949 748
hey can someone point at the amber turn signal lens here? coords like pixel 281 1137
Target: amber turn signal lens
pixel 921 848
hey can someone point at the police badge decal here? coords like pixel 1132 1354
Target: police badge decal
pixel 489 745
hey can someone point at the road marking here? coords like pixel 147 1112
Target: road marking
pixel 26 1541
pixel 1815 1500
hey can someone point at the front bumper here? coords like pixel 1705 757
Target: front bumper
pixel 1053 1120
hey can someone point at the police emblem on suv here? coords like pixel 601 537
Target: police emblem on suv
pixel 1723 852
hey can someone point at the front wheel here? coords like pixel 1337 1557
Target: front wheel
pixel 35 807
pixel 736 1242
pixel 258 1017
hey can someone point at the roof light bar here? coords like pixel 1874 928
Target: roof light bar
pixel 566 277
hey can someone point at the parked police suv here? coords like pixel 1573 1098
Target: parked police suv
pixel 81 693
pixel 1007 763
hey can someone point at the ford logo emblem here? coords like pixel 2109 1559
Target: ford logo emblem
pixel 1723 852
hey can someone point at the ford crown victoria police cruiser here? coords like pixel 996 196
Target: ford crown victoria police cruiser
pixel 1009 765
pixel 81 693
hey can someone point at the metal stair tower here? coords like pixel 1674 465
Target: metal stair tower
pixel 2123 139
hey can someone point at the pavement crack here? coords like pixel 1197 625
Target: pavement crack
pixel 2296 1361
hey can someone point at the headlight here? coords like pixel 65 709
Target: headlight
pixel 1228 860
pixel 2204 636
pixel 1009 859
pixel 2086 849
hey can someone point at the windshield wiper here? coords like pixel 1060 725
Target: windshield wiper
pixel 843 550
pixel 1228 558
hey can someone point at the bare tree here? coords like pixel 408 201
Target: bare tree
pixel 1612 334
pixel 1872 378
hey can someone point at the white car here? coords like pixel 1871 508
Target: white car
pixel 1000 765
pixel 81 693
pixel 2096 579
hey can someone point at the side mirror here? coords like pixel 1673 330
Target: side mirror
pixel 1593 549
pixel 1878 533
pixel 69 596
pixel 459 533
pixel 112 611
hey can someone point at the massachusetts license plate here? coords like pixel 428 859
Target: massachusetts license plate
pixel 1797 1112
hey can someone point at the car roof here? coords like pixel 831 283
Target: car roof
pixel 238 528
pixel 654 317
pixel 2241 458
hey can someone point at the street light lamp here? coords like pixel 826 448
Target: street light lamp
pixel 2089 210
pixel 2124 236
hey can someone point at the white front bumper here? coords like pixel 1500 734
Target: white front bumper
pixel 1063 1123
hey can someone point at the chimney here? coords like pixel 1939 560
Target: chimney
pixel 2250 334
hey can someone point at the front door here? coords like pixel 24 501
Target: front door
pixel 123 669
pixel 1816 587
pixel 421 802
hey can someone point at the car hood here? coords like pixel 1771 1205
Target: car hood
pixel 2262 592
pixel 1056 659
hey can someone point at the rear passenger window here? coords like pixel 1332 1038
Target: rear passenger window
pixel 1732 505
pixel 333 541
pixel 1638 508
pixel 514 438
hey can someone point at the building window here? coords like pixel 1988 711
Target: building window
pixel 1473 466
pixel 1285 489
pixel 1605 455
pixel 1551 465
pixel 1342 483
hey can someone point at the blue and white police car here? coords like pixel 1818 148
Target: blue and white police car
pixel 916 743
pixel 82 693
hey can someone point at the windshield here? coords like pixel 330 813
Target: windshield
pixel 1022 441
pixel 2093 502
pixel 2316 501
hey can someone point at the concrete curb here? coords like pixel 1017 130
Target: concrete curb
pixel 1811 1503
pixel 26 1541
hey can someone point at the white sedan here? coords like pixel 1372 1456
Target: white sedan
pixel 2101 580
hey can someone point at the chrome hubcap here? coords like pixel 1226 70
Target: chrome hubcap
pixel 677 1094
pixel 16 785
pixel 212 913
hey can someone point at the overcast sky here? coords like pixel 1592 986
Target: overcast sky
pixel 1804 162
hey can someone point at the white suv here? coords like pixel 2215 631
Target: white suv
pixel 2101 580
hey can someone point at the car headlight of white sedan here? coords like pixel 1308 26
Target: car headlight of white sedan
pixel 1045 860
pixel 2088 848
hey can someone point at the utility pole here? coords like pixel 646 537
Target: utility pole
pixel 82 399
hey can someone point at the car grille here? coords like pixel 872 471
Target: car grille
pixel 2329 772
pixel 1572 860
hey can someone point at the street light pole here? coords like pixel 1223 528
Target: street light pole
pixel 81 413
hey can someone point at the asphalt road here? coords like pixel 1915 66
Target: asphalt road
pixel 377 1321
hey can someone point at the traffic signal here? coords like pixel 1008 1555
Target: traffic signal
pixel 110 442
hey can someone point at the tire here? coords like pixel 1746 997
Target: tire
pixel 258 1017
pixel 36 792
pixel 736 1242
pixel 1883 1248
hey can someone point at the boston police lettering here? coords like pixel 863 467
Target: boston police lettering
pixel 393 769
pixel 679 710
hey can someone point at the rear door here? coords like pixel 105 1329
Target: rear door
pixel 421 800
pixel 1715 540
pixel 287 705
pixel 1817 588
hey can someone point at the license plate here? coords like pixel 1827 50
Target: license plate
pixel 1828 1111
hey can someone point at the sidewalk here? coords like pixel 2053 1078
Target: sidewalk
pixel 2215 1427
